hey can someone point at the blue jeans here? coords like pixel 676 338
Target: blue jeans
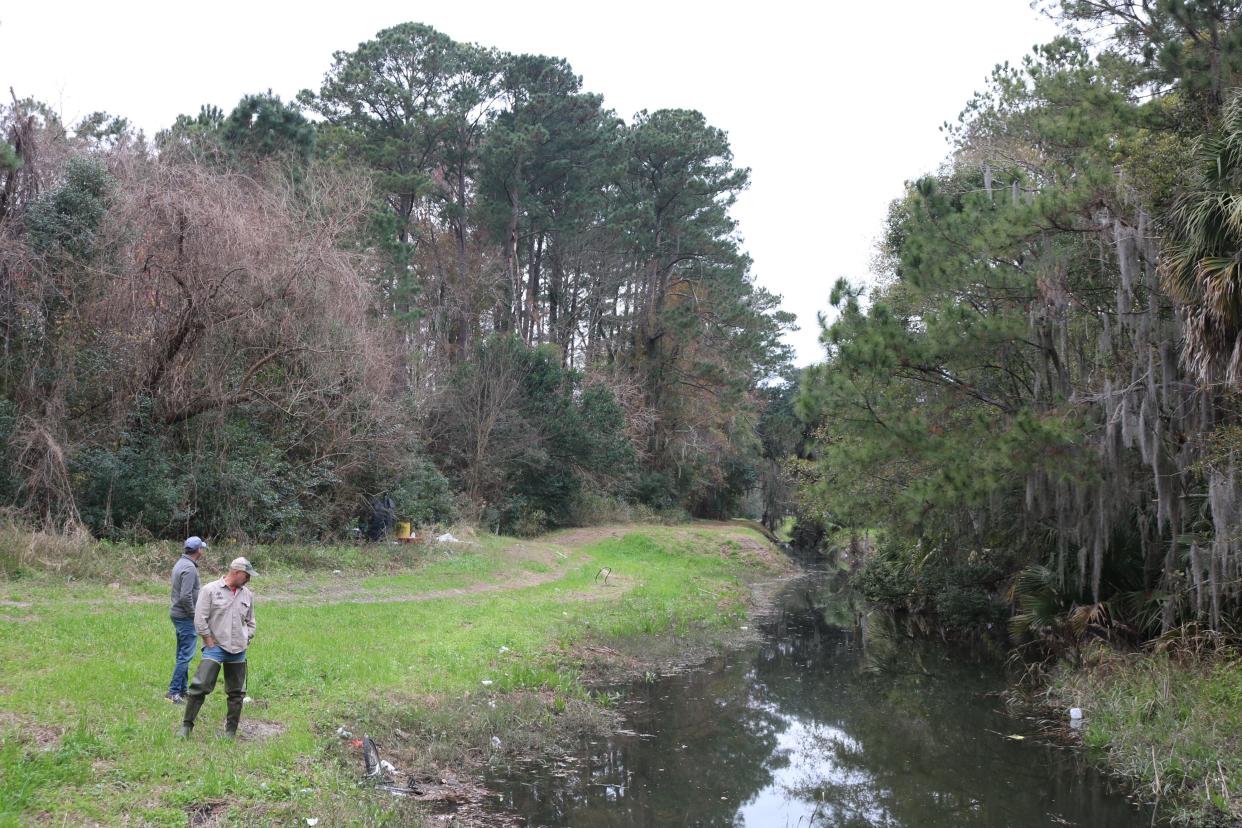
pixel 185 651
pixel 221 656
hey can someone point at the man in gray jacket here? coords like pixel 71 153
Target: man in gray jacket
pixel 224 617
pixel 184 596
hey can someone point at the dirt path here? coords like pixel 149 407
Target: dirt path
pixel 344 592
pixel 523 581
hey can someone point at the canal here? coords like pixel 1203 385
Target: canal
pixel 837 717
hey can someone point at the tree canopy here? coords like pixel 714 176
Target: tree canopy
pixel 1045 374
pixel 449 274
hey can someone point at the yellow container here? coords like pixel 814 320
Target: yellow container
pixel 403 530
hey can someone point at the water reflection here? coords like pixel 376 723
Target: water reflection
pixel 837 719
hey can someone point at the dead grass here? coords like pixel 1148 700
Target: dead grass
pixel 43 737
pixel 24 549
pixel 441 749
pixel 207 814
pixel 76 556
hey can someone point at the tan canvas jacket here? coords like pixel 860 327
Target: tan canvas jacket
pixel 226 616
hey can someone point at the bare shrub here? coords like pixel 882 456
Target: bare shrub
pixel 206 294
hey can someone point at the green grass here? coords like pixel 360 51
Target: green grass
pixel 86 736
pixel 1171 724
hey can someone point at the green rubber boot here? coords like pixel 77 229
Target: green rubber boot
pixel 235 688
pixel 204 682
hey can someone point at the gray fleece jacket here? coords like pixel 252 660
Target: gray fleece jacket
pixel 184 588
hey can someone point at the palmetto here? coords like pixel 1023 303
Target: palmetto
pixel 1202 263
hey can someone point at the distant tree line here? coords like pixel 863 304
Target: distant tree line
pixel 449 274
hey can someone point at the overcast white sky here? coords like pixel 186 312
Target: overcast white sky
pixel 832 106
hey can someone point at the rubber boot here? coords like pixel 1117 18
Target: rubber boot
pixel 235 687
pixel 204 682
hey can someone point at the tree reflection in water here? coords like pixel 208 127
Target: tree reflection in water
pixel 838 719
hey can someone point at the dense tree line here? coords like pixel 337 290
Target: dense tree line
pixel 449 274
pixel 1045 378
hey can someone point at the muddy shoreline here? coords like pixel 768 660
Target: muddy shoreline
pixel 446 783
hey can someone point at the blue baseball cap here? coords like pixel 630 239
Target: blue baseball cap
pixel 194 543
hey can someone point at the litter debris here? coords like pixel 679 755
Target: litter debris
pixel 1075 713
pixel 504 650
pixel 447 537
pixel 370 758
pixel 247 700
pixel 383 771
pixel 487 682
pixel 605 571
pixel 343 733
pixel 336 572
pixel 1012 736
pixel 312 821
pixel 495 743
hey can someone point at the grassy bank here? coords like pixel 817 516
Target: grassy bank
pixel 436 649
pixel 1169 721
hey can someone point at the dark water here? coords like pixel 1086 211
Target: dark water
pixel 836 719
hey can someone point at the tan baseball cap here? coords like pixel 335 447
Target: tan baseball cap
pixel 244 566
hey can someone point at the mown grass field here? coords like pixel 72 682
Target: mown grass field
pixel 87 738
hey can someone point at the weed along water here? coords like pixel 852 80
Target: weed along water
pixel 832 719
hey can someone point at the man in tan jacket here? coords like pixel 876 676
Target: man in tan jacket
pixel 224 617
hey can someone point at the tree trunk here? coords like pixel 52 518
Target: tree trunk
pixel 504 309
pixel 532 291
